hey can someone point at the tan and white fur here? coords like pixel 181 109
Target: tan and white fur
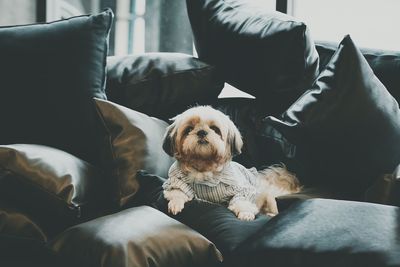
pixel 203 140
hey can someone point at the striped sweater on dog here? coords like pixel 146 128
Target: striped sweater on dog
pixel 234 182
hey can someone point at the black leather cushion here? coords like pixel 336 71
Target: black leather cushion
pixel 140 236
pixel 214 221
pixel 133 141
pixel 261 148
pixel 384 63
pixel 48 75
pixel 264 53
pixel 161 84
pixel 346 128
pixel 48 181
pixel 324 232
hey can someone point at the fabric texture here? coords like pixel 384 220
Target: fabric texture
pixel 132 141
pixel 161 84
pixel 347 123
pixel 49 74
pixel 265 53
pixel 233 183
pixel 140 236
pixel 54 184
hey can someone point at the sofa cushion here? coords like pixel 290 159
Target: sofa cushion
pixel 214 221
pixel 322 232
pixel 384 63
pixel 133 141
pixel 140 236
pixel 14 223
pixel 19 251
pixel 49 73
pixel 54 184
pixel 260 148
pixel 264 53
pixel 161 84
pixel 347 123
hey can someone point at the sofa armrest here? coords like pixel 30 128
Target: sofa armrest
pixel 386 189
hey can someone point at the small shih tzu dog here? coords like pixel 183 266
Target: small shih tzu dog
pixel 203 141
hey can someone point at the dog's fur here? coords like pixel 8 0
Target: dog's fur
pixel 203 140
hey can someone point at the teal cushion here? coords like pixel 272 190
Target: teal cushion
pixel 49 73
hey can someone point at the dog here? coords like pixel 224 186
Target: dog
pixel 203 141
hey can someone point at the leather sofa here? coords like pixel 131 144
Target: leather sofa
pixel 60 206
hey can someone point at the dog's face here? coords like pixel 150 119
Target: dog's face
pixel 203 139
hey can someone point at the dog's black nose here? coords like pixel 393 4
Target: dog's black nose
pixel 201 133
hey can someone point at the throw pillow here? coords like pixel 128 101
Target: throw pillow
pixel 140 236
pixel 161 84
pixel 17 224
pixel 133 141
pixel 265 53
pixel 49 74
pixel 384 63
pixel 346 128
pixel 49 181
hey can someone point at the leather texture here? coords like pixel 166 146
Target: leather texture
pixel 213 221
pixel 48 181
pixel 265 53
pixel 347 123
pixel 161 84
pixel 14 223
pixel 384 63
pixel 262 147
pixel 322 232
pixel 132 142
pixel 49 74
pixel 140 236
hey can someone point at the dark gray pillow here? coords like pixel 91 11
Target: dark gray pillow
pixel 133 141
pixel 346 127
pixel 323 232
pixel 49 74
pixel 265 53
pixel 161 84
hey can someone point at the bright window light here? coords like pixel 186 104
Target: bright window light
pixel 371 23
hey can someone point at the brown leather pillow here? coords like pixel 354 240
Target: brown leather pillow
pixel 17 224
pixel 140 236
pixel 52 182
pixel 133 142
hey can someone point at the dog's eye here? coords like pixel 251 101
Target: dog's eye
pixel 187 130
pixel 215 129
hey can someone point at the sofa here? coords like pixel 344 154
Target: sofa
pixel 82 165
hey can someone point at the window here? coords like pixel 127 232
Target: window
pixel 152 26
pixel 371 23
pixel 139 25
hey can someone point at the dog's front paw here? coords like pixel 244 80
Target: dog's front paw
pixel 246 216
pixel 175 206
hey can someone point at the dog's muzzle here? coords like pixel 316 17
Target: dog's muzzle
pixel 201 134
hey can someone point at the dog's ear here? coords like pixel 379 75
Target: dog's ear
pixel 169 140
pixel 234 139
